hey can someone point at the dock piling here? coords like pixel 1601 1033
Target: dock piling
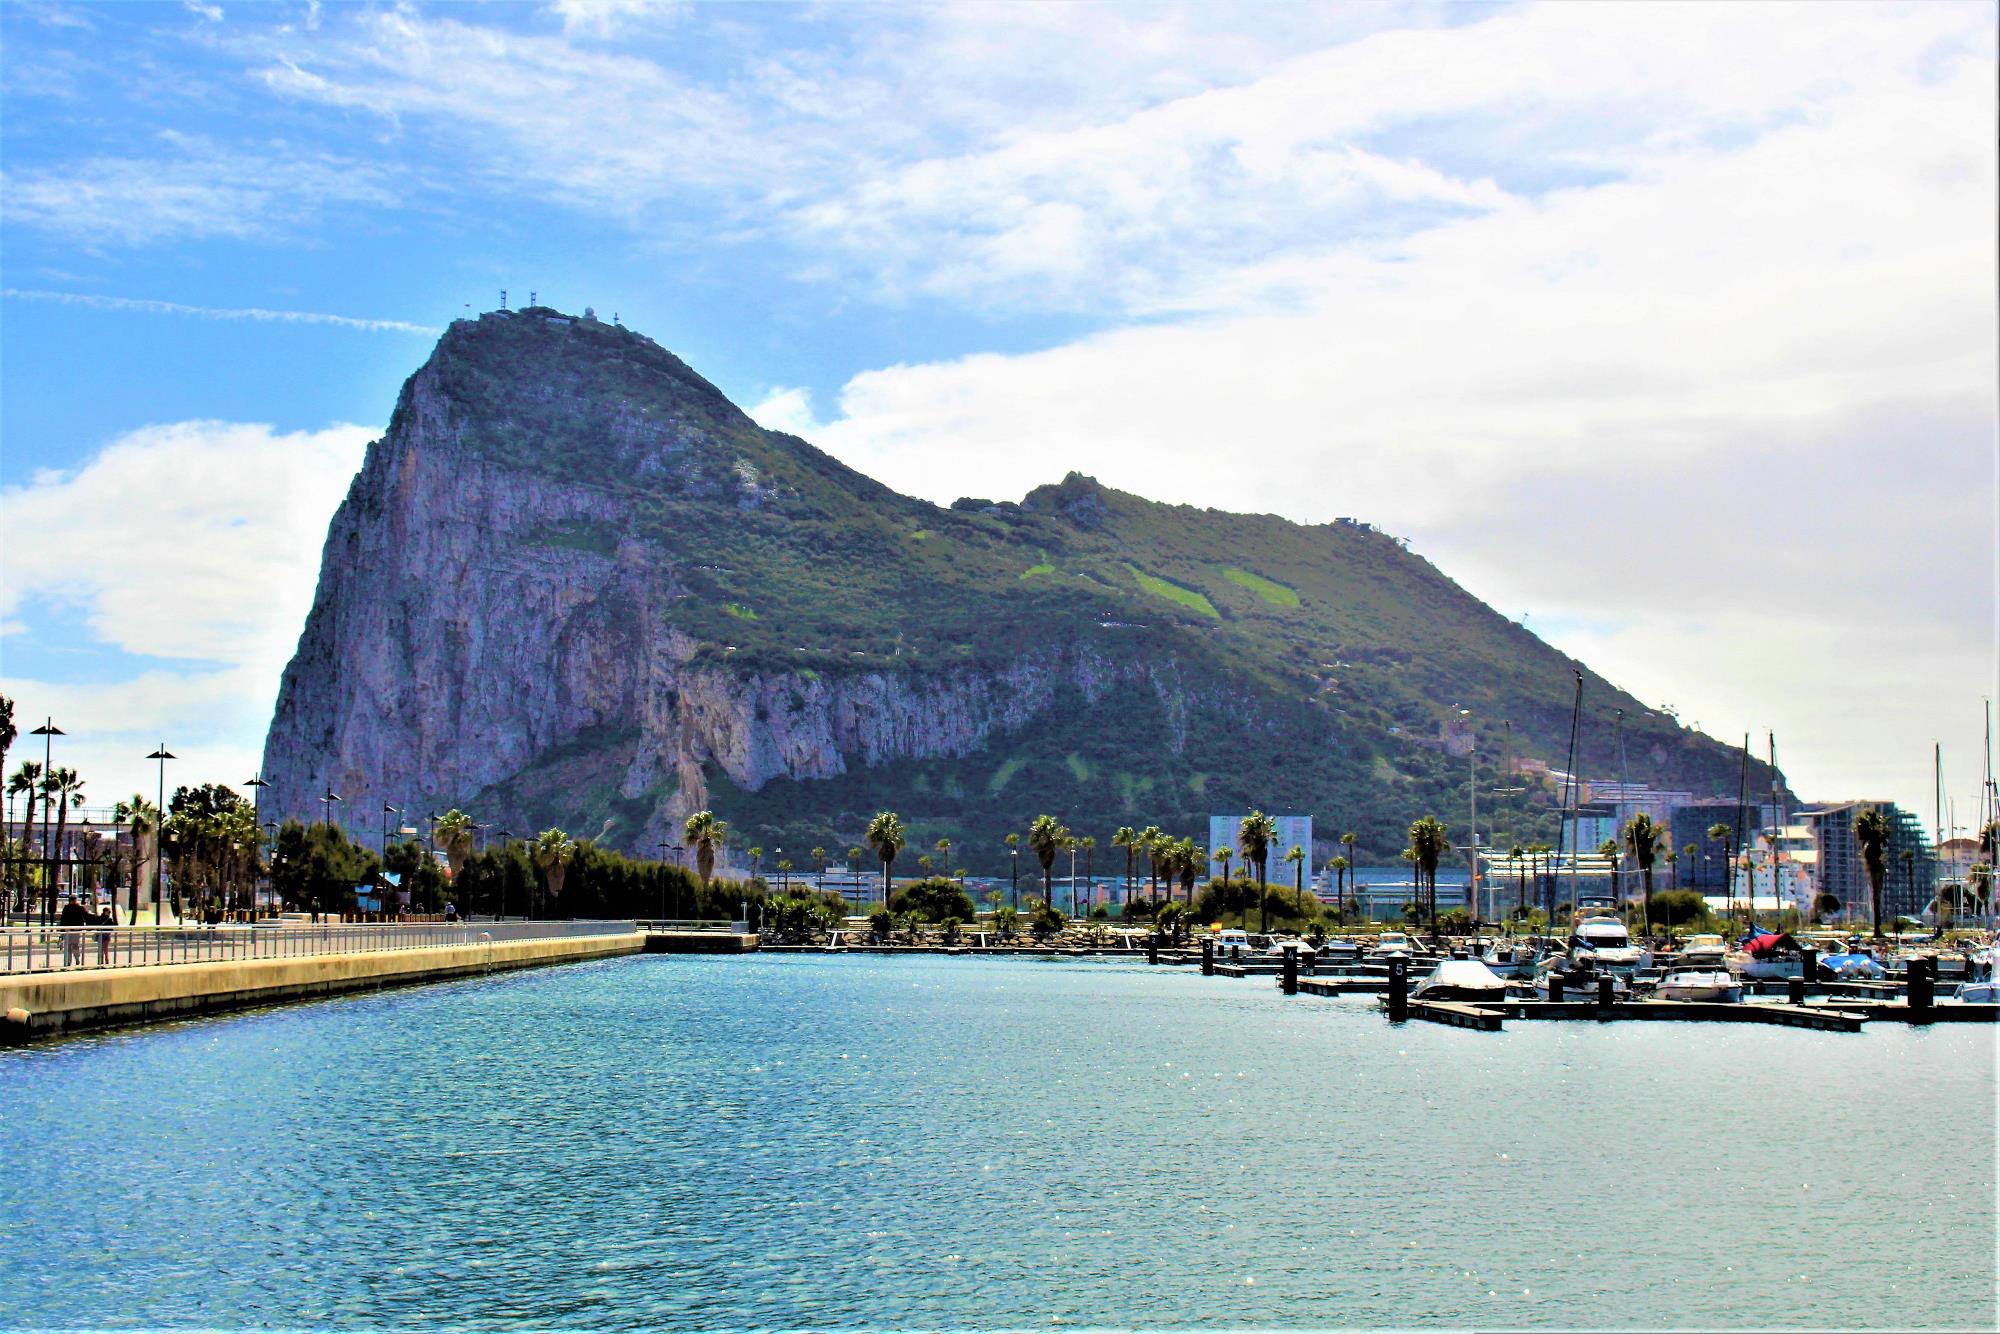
pixel 1153 948
pixel 1808 969
pixel 1288 975
pixel 1207 957
pixel 1795 991
pixel 1921 978
pixel 1604 996
pixel 1399 990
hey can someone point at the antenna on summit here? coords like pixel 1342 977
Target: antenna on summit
pixel 531 297
pixel 503 298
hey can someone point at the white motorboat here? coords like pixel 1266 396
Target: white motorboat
pixel 1700 984
pixel 1978 993
pixel 1391 944
pixel 1702 952
pixel 1604 943
pixel 1461 980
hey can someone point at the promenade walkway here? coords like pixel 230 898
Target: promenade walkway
pixel 44 949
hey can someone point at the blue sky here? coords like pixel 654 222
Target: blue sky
pixel 1668 327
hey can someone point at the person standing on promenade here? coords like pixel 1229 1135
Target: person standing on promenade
pixel 105 921
pixel 73 916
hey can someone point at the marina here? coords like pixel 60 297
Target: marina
pixel 822 1141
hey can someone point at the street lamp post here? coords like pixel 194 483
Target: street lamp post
pixel 48 732
pixel 162 754
pixel 256 784
pixel 326 801
pixel 663 877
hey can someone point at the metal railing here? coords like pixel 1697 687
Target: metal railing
pixel 684 924
pixel 39 949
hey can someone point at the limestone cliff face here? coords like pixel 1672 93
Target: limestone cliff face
pixel 573 584
pixel 474 619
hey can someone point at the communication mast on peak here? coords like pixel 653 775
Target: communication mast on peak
pixel 531 297
pixel 503 298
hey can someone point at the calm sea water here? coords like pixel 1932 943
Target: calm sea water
pixel 835 1142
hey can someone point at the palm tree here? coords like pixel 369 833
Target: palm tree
pixel 1520 881
pixel 1644 840
pixel 1223 854
pixel 887 836
pixel 1296 855
pixel 144 818
pixel 707 836
pixel 1045 839
pixel 7 732
pixel 943 847
pixel 453 832
pixel 27 781
pixel 1152 842
pixel 1871 831
pixel 1089 845
pixel 1127 838
pixel 1253 835
pixel 819 869
pixel 1429 841
pixel 1338 865
pixel 1186 862
pixel 551 852
pixel 65 787
pixel 755 855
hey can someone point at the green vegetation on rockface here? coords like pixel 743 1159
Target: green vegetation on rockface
pixel 1243 659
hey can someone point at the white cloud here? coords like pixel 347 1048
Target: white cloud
pixel 786 409
pixel 253 313
pixel 196 190
pixel 1757 375
pixel 604 19
pixel 195 540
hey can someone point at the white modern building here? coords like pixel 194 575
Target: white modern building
pixel 1293 831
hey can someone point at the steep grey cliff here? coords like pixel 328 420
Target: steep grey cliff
pixel 573 584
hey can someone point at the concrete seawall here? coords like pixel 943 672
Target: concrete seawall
pixel 45 1004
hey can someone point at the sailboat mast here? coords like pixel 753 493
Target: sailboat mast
pixel 1777 831
pixel 1572 796
pixel 1742 797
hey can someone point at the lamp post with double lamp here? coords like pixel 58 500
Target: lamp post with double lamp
pixel 162 754
pixel 48 732
pixel 256 784
pixel 326 800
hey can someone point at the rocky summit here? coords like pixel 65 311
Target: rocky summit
pixel 574 585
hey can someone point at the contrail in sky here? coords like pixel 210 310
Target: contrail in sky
pixel 217 313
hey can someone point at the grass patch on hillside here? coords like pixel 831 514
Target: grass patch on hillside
pixel 1277 594
pixel 1078 766
pixel 740 611
pixel 1174 593
pixel 1004 775
pixel 1036 571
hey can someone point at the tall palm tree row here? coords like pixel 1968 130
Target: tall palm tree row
pixel 1254 835
pixel 1127 838
pixel 1429 841
pixel 61 787
pixel 1047 836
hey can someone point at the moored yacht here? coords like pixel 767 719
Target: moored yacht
pixel 1700 984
